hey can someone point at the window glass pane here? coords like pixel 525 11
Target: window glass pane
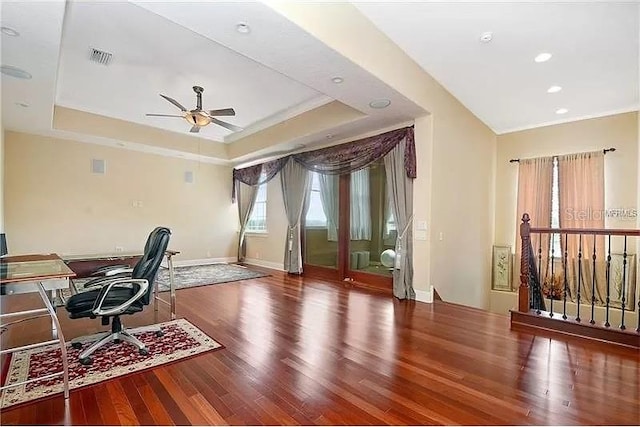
pixel 555 211
pixel 315 214
pixel 258 219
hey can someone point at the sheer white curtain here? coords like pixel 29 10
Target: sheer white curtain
pixel 360 205
pixel 295 189
pixel 329 197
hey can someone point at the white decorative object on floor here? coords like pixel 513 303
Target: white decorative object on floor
pixel 388 257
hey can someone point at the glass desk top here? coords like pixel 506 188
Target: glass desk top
pixel 28 268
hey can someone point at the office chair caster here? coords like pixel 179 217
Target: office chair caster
pixel 159 334
pixel 143 351
pixel 86 361
pixel 76 345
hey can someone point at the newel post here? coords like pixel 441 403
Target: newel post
pixel 523 291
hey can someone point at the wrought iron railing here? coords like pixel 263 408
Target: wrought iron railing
pixel 609 285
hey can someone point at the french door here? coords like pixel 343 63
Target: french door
pixel 348 226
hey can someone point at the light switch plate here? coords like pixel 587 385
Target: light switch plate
pixel 421 235
pixel 421 225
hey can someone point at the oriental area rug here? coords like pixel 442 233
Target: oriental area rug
pixel 180 340
pixel 200 275
pixel 196 275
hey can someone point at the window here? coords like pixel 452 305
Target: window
pixel 258 220
pixel 315 214
pixel 556 247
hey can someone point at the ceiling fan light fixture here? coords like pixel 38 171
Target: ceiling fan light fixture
pixel 198 118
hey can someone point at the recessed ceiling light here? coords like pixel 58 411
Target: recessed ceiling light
pixel 120 144
pixel 337 80
pixel 15 72
pixel 561 111
pixel 486 37
pixel 379 103
pixel 554 89
pixel 22 104
pixel 543 57
pixel 329 136
pixel 9 31
pixel 243 28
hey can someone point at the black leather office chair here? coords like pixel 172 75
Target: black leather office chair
pixel 116 296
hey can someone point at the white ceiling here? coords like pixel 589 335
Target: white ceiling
pixel 35 50
pixel 153 55
pixel 278 70
pixel 595 59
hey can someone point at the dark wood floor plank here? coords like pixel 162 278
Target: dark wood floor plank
pixel 306 351
pixel 122 406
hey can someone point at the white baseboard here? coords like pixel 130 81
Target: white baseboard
pixel 425 296
pixel 266 264
pixel 203 261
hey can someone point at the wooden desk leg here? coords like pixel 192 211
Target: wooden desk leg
pixel 60 337
pixel 172 287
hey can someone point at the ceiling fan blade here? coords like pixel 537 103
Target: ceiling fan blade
pixel 195 129
pixel 164 115
pixel 222 112
pixel 174 102
pixel 226 125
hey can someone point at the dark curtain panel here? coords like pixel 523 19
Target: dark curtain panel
pixel 353 156
pixel 251 175
pixel 339 159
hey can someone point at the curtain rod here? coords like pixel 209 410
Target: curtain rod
pixel 605 151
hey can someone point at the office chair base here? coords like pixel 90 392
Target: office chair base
pixel 107 338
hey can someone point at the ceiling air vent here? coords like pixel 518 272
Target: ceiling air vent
pixel 100 56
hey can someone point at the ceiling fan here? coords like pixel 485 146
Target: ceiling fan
pixel 198 117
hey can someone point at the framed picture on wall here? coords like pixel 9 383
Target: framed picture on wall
pixel 501 270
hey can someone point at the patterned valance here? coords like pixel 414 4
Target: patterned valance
pixel 337 160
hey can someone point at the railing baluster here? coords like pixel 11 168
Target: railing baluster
pixel 624 279
pixel 553 278
pixel 606 323
pixel 593 283
pixel 566 267
pixel 579 278
pixel 539 268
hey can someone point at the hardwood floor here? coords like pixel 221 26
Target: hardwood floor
pixel 313 352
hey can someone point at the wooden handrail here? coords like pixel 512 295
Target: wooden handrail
pixel 587 231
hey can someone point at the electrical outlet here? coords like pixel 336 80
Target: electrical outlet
pixel 258 255
pixel 119 249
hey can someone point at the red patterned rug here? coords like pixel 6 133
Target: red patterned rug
pixel 180 340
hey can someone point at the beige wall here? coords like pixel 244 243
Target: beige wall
pixel 55 204
pixel 621 171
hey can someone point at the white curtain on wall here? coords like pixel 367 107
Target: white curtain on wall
pixel 329 198
pixel 360 205
pixel 295 189
pixel 246 199
pixel 400 189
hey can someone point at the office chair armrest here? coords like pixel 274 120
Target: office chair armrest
pixel 101 281
pixel 110 270
pixel 102 296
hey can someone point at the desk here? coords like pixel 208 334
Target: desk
pixel 17 275
pixel 84 265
